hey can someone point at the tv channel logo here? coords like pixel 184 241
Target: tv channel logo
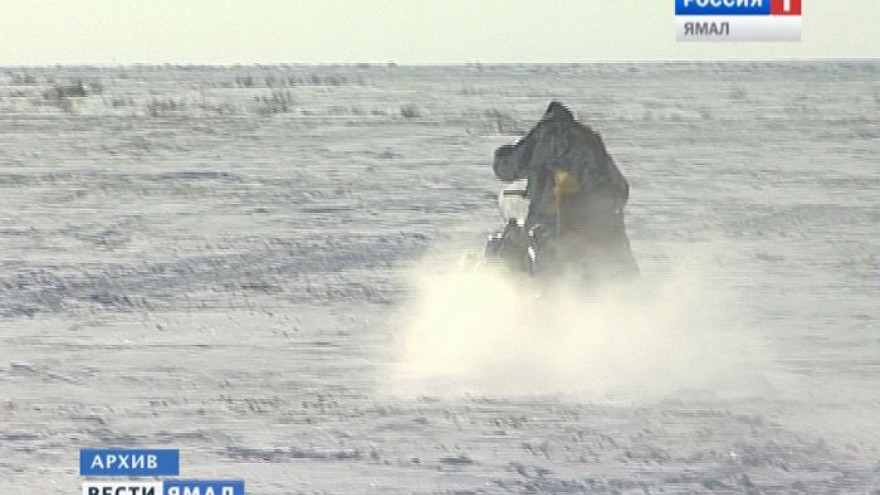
pixel 738 20
pixel 164 487
pixel 203 487
pixel 122 488
pixel 153 463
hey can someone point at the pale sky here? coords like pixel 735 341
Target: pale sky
pixel 37 32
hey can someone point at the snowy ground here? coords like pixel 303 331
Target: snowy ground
pixel 247 264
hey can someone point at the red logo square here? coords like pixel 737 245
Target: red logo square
pixel 785 7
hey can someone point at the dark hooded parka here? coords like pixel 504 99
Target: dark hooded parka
pixel 576 192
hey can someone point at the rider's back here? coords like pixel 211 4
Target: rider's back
pixel 587 219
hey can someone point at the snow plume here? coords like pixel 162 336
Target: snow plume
pixel 483 331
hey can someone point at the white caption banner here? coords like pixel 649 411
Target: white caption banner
pixel 122 488
pixel 760 28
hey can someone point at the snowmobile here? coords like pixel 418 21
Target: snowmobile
pixel 547 250
pixel 514 247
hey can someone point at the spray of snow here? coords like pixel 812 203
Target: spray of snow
pixel 483 331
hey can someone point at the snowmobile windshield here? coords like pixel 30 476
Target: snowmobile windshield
pixel 513 203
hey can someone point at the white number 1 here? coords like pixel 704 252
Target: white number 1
pixel 786 6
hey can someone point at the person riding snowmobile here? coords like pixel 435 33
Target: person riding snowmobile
pixel 577 195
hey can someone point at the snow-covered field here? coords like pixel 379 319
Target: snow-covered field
pixel 259 266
